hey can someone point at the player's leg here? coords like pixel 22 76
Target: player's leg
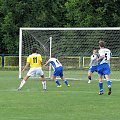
pixel 44 82
pixel 100 85
pixel 23 82
pixel 61 76
pixel 54 78
pixel 107 76
pixel 65 81
pixel 31 72
pixel 89 76
pixel 108 84
pixel 90 72
pixel 55 74
pixel 41 74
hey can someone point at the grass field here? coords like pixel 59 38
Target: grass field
pixel 78 102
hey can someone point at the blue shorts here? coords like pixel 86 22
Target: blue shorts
pixel 93 69
pixel 104 69
pixel 58 71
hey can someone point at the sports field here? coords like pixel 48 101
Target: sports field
pixel 78 102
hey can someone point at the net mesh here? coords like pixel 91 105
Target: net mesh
pixel 72 47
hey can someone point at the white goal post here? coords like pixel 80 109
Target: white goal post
pixel 72 45
pixel 20 51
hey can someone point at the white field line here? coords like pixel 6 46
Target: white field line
pixel 76 79
pixel 24 118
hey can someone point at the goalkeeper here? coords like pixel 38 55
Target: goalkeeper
pixel 58 70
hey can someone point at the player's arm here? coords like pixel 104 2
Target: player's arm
pixel 41 61
pixel 27 64
pixel 47 63
pixel 90 64
pixel 101 57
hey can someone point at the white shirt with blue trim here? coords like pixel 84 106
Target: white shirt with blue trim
pixel 54 62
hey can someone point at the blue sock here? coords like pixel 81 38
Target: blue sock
pixel 101 86
pixel 66 82
pixel 89 77
pixel 108 83
pixel 57 82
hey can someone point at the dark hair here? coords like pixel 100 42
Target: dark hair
pixel 34 50
pixel 54 55
pixel 94 48
pixel 101 43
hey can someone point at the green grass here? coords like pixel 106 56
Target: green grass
pixel 78 102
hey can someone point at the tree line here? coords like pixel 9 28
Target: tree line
pixel 53 13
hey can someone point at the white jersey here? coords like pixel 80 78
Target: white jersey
pixel 93 60
pixel 54 62
pixel 107 53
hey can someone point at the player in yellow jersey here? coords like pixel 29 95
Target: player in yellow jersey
pixel 35 62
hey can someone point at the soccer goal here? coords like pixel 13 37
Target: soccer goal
pixel 72 46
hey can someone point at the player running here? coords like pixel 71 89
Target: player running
pixel 93 64
pixel 103 66
pixel 58 70
pixel 35 62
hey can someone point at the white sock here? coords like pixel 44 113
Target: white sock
pixel 44 84
pixel 22 83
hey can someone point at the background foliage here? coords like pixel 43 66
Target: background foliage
pixel 53 13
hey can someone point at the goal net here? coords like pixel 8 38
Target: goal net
pixel 72 46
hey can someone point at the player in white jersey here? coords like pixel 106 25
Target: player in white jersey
pixel 93 64
pixel 58 70
pixel 35 62
pixel 103 67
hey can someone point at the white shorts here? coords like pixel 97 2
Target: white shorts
pixel 35 71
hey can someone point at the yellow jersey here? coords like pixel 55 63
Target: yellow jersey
pixel 34 60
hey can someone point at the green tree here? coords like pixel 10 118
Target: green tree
pixel 26 13
pixel 92 13
pixel 53 13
